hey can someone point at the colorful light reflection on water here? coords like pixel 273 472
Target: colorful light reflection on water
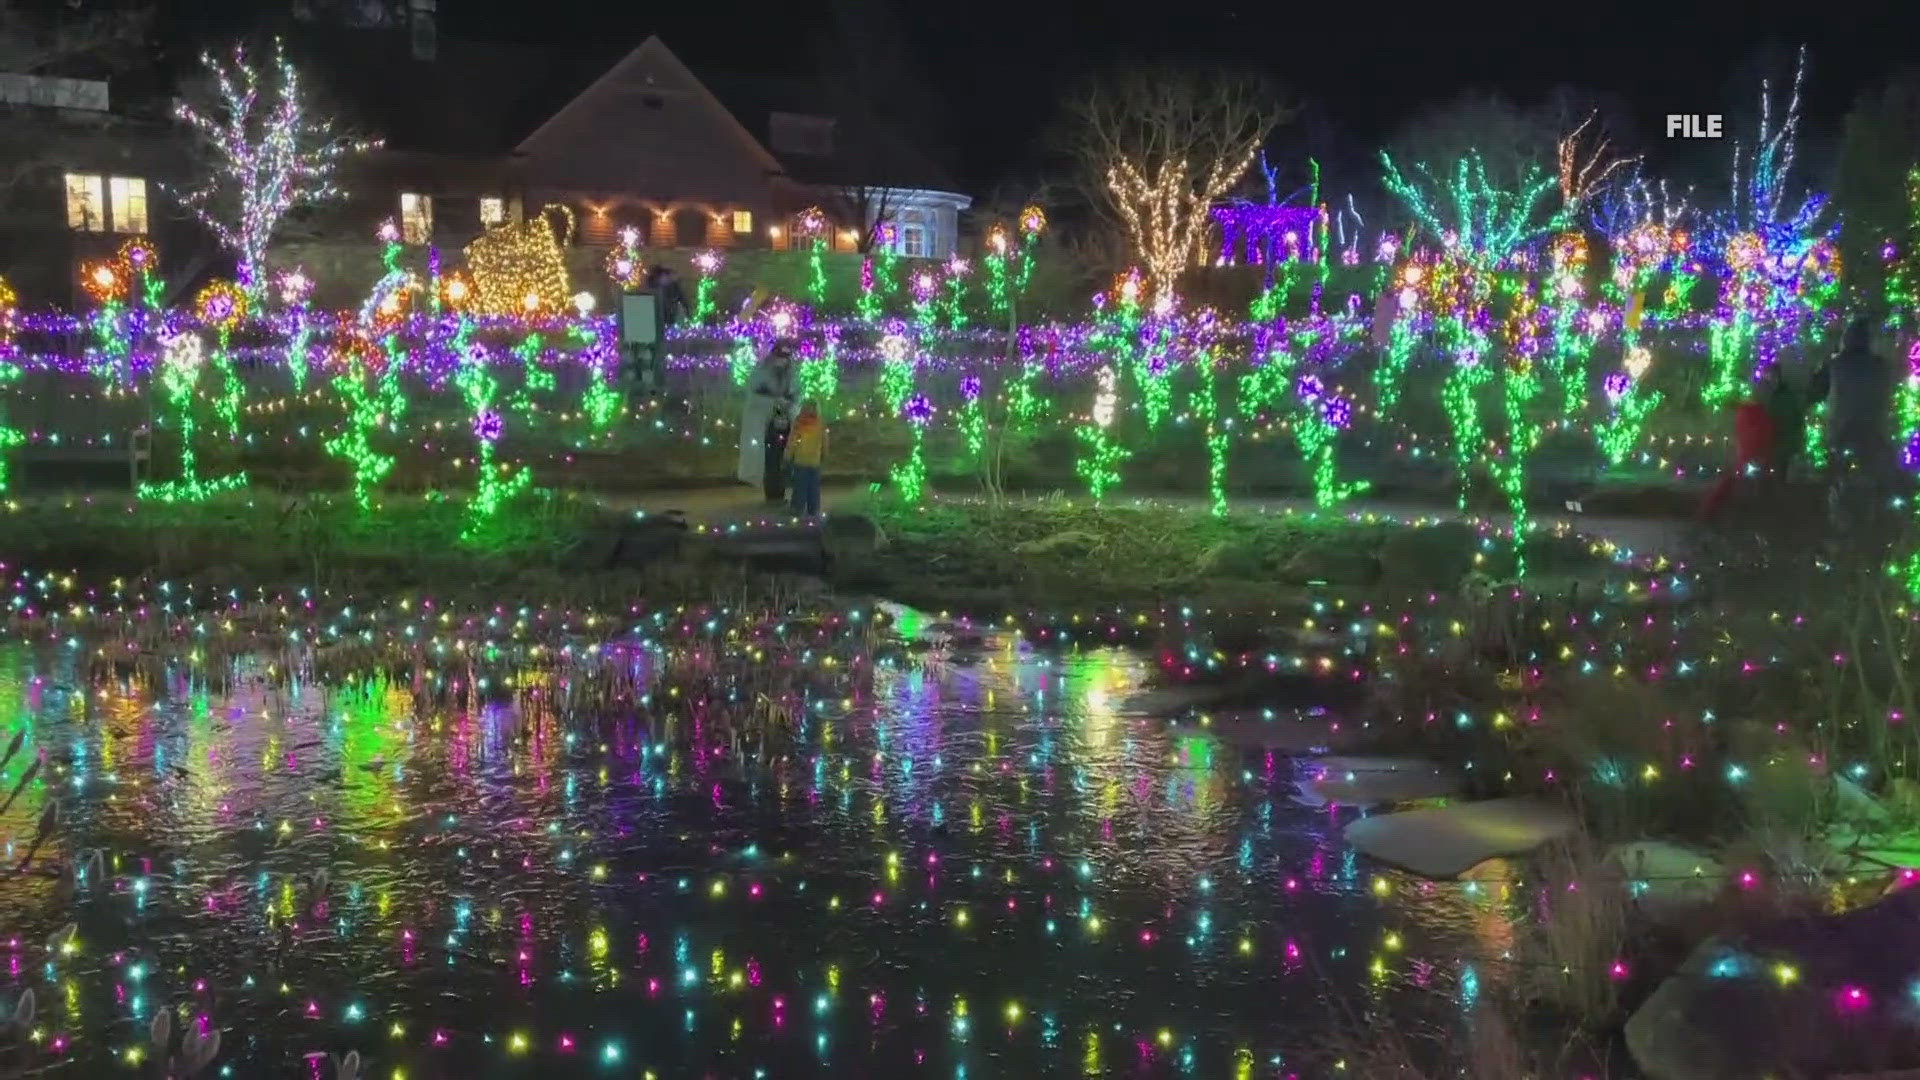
pixel 959 865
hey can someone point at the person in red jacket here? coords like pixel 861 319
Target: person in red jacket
pixel 1753 442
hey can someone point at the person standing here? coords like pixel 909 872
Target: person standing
pixel 807 451
pixel 1754 443
pixel 665 286
pixel 1789 415
pixel 772 395
pixel 1859 397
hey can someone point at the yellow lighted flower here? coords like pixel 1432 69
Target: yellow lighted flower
pixel 221 305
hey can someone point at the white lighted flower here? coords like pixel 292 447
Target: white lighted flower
pixel 583 303
pixel 893 348
pixel 1638 360
pixel 1103 401
pixel 183 353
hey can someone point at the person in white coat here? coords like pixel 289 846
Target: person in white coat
pixel 773 394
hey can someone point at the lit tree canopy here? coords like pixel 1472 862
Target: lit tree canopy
pixel 1161 147
pixel 269 156
pixel 1470 212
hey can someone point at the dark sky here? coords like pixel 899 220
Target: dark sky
pixel 994 69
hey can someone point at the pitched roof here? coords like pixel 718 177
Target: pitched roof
pixel 650 124
pixel 867 151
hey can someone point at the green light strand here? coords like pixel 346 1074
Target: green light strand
pixel 817 272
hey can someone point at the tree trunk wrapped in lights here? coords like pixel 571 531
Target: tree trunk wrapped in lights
pixel 1160 148
pixel 269 156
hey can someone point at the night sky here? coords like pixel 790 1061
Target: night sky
pixel 993 69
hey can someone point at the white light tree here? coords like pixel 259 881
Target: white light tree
pixel 268 156
pixel 1161 148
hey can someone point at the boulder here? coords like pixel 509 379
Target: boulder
pixel 1799 996
pixel 1445 842
pixel 1666 879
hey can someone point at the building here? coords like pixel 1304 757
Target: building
pixel 476 135
pixel 78 177
pixel 473 135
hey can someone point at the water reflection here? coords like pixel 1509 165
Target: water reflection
pixel 957 860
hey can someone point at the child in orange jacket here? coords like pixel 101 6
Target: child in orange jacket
pixel 806 450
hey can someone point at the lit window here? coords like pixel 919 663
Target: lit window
pixel 129 204
pixel 416 218
pixel 86 203
pixel 743 221
pixel 913 241
pixel 492 211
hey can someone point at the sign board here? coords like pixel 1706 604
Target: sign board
pixel 639 319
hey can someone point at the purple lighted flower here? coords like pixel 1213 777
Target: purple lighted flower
pixel 1617 385
pixel 1913 361
pixel 918 410
pixel 1310 388
pixel 1910 453
pixel 487 426
pixel 1338 411
pixel 970 387
pixel 389 232
pixel 1889 252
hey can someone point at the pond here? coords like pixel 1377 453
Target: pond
pixel 959 861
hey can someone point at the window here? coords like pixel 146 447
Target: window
pixel 129 197
pixel 743 221
pixel 86 203
pixel 493 211
pixel 913 241
pixel 416 218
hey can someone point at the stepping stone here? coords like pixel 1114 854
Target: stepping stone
pixel 1444 842
pixel 1359 781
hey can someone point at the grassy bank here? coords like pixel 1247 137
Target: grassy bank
pixel 984 559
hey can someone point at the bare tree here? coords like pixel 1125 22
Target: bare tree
pixel 1588 163
pixel 876 97
pixel 32 46
pixel 267 155
pixel 1159 148
pixel 1515 144
pixel 91 43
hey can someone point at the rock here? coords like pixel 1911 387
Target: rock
pixel 631 544
pixel 1852 803
pixel 850 537
pixel 1801 996
pixel 1369 781
pixel 1445 842
pixel 1665 879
